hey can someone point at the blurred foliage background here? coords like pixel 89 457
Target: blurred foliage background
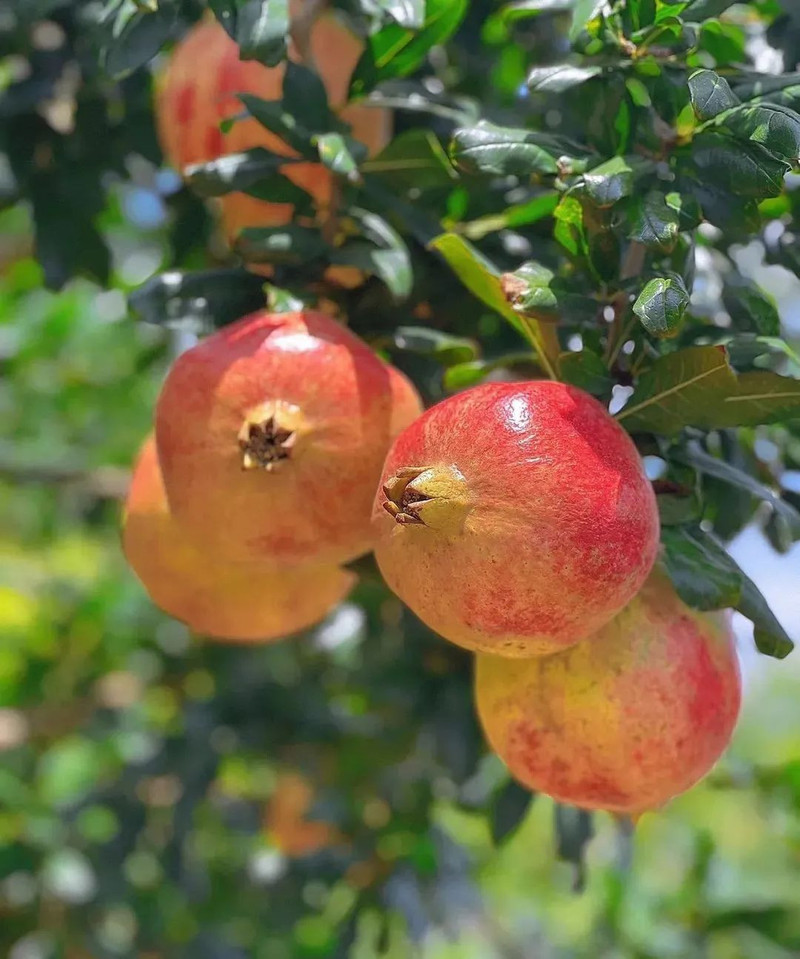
pixel 162 796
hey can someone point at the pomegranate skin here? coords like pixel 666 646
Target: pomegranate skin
pixel 232 601
pixel 626 720
pixel 527 524
pixel 199 88
pixel 322 410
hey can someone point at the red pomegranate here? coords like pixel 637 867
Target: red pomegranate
pixel 626 720
pixel 233 601
pixel 515 518
pixel 271 435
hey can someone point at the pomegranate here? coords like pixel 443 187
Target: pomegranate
pixel 271 435
pixel 626 720
pixel 236 601
pixel 198 90
pixel 515 518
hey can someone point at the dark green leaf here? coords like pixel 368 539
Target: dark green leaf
pixel 237 171
pixel 528 290
pixel 560 77
pixel 261 30
pixel 751 307
pixel 413 96
pixel 500 151
pixel 271 114
pixel 137 39
pixel 407 13
pixel 662 304
pixel 747 171
pixel 198 301
pixel 653 221
pixel 701 571
pixel 282 244
pixel 381 252
pixel 278 188
pixel 770 637
pixel 414 159
pixel 720 469
pixel 783 89
pixel 574 829
pixel 444 348
pixel 776 128
pixel 508 810
pixel 710 94
pixel 610 181
pixel 304 96
pixel 587 371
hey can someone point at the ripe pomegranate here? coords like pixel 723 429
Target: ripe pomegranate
pixel 271 435
pixel 199 89
pixel 624 721
pixel 515 518
pixel 237 601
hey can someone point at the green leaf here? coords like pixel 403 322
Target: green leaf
pixel 198 301
pixel 395 51
pixel 587 371
pixel 281 244
pixel 782 89
pixel 444 348
pixel 339 154
pixel 770 637
pixel 382 252
pixel 508 810
pixel 271 115
pixel 479 276
pixel 694 455
pixel 569 230
pixel 698 387
pixel 710 94
pixel 561 77
pixel 528 290
pixel 662 304
pixel 500 151
pixel 707 578
pixel 746 171
pixel 610 181
pixel 776 128
pixel 462 375
pixel 583 13
pixel 137 38
pixel 520 214
pixel 414 159
pixel 574 830
pixel 261 30
pixel 414 97
pixel 304 96
pixel 278 188
pixel 236 171
pixel 702 572
pixel 751 307
pixel 653 221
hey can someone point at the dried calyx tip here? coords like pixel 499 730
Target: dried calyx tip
pixel 437 497
pixel 265 444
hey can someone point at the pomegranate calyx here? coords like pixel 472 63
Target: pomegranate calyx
pixel 265 444
pixel 436 497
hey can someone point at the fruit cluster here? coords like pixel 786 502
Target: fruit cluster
pixel 515 519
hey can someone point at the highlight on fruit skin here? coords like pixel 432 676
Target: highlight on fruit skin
pixel 271 436
pixel 254 602
pixel 626 720
pixel 198 90
pixel 515 518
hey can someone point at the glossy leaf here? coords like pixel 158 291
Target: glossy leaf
pixel 662 304
pixel 776 128
pixel 500 151
pixel 443 347
pixel 747 171
pixel 382 252
pixel 609 182
pixel 236 171
pixel 654 222
pixel 703 573
pixel 710 94
pixel 281 244
pixel 586 370
pixel 749 306
pixel 561 77
pixel 261 30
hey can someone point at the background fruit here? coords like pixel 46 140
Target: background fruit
pixel 524 520
pixel 308 409
pixel 238 601
pixel 199 89
pixel 626 720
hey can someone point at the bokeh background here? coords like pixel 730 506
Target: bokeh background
pixel 163 796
